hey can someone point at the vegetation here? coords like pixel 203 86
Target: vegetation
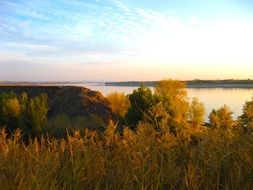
pixel 172 95
pixel 27 114
pixel 221 118
pixel 166 109
pixel 196 112
pixel 119 103
pixel 247 116
pixel 141 102
pixel 144 159
pixel 163 145
pixel 62 125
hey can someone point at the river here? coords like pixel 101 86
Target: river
pixel 212 98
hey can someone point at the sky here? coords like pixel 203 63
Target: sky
pixel 122 40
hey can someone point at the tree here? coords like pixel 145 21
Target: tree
pixel 159 118
pixel 196 112
pixel 3 98
pixel 173 96
pixel 214 120
pixel 221 118
pixel 247 116
pixel 9 111
pixel 141 102
pixel 21 112
pixel 35 114
pixel 119 103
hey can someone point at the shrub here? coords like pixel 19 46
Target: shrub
pixel 196 113
pixel 119 103
pixel 247 116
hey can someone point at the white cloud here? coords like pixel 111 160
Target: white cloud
pixel 28 46
pixel 119 35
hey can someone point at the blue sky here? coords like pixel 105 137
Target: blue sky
pixel 113 40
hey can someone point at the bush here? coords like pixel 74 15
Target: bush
pixel 21 112
pixel 247 116
pixel 119 103
pixel 196 113
pixel 222 121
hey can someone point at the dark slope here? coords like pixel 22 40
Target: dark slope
pixel 69 100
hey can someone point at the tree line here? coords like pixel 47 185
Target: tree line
pixel 27 114
pixel 166 109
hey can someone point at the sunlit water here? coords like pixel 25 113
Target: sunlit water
pixel 212 98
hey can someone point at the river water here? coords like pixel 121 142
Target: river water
pixel 212 98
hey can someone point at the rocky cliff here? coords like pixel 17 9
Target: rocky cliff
pixel 70 100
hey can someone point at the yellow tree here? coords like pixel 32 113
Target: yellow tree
pixel 196 112
pixel 247 116
pixel 172 94
pixel 119 103
pixel 12 107
pixel 11 113
pixel 222 120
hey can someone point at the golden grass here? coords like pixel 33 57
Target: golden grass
pixel 144 159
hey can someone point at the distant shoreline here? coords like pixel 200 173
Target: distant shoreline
pixel 195 85
pixel 230 83
pixel 192 83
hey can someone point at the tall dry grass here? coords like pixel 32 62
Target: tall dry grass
pixel 145 159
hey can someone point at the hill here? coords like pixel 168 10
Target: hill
pixel 70 100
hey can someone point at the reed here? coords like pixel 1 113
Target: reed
pixel 145 159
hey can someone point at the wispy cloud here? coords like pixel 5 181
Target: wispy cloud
pixel 116 32
pixel 116 24
pixel 31 47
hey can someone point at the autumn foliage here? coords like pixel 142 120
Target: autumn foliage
pixel 167 145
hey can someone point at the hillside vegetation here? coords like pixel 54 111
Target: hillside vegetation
pixel 156 140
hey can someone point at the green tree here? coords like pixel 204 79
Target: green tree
pixel 196 112
pixel 21 112
pixel 3 98
pixel 141 102
pixel 9 111
pixel 23 100
pixel 35 114
pixel 173 96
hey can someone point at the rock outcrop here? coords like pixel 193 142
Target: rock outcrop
pixel 70 100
